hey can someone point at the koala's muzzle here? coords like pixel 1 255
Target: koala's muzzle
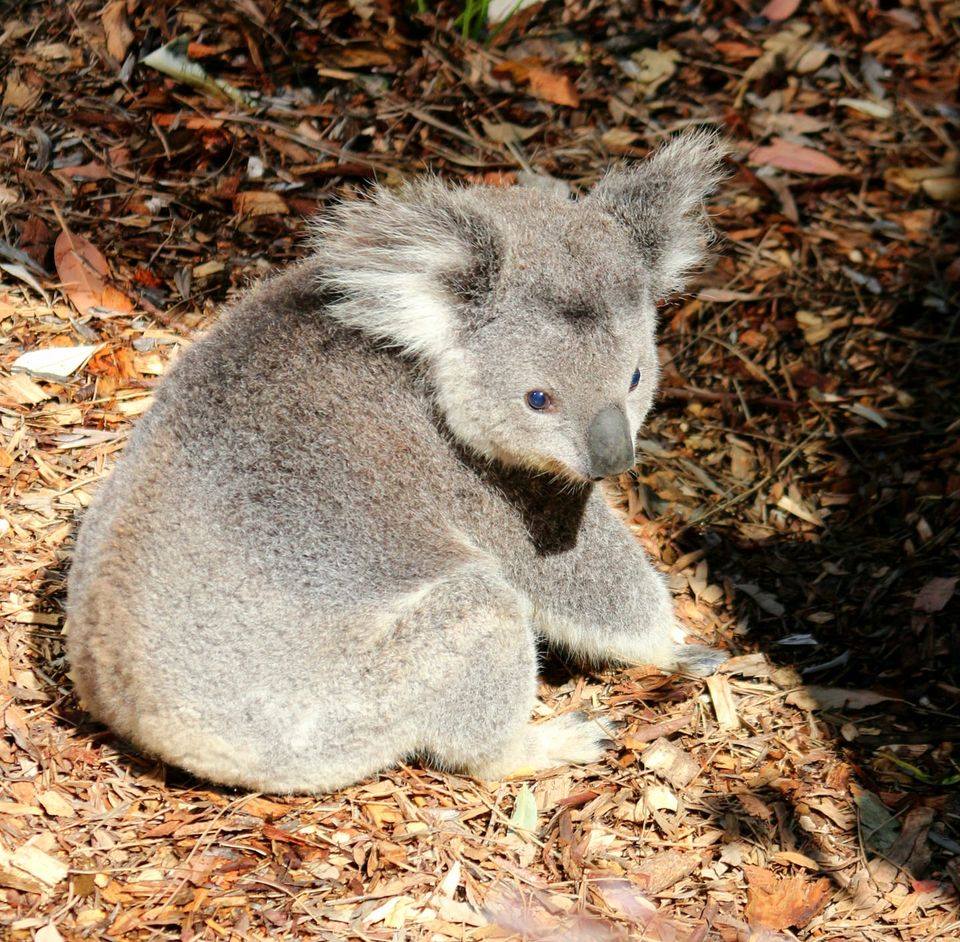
pixel 610 443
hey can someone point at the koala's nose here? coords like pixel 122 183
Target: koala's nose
pixel 610 443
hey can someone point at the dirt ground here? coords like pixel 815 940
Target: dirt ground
pixel 799 482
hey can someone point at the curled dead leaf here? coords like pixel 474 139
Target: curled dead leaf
pixel 84 272
pixel 789 156
pixel 783 902
pixel 113 17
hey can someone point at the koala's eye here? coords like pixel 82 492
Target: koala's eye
pixel 635 380
pixel 538 399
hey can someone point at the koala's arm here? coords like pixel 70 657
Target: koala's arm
pixel 604 602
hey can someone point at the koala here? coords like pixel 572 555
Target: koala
pixel 362 499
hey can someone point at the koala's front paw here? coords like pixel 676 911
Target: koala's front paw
pixel 700 660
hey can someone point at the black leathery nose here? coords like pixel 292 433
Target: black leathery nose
pixel 609 442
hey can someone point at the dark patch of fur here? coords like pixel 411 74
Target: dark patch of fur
pixel 580 314
pixel 477 279
pixel 551 508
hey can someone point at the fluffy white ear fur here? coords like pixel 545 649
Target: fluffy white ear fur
pixel 661 202
pixel 391 261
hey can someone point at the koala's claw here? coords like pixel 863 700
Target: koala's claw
pixel 700 660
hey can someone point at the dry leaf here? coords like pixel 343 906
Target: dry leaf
pixel 935 594
pixel 646 734
pixel 554 87
pixel 84 271
pixel 812 59
pixel 503 132
pixel 755 806
pixel 778 10
pixel 663 869
pixel 17 93
pixel 789 156
pixel 876 109
pixel 792 857
pixel 670 762
pixel 260 203
pixel 782 903
pixel 652 67
pixel 22 390
pixel 361 57
pixel 55 362
pixel 119 35
pixel 94 170
pixel 834 698
pixel 942 189
pixel 544 84
pixel 55 804
pixel 793 506
pixel 264 808
pixel 500 10
pixel 657 798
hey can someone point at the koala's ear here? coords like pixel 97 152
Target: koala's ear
pixel 404 266
pixel 660 201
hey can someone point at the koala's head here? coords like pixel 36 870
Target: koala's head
pixel 534 315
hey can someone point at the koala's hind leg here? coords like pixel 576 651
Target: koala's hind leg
pixel 477 683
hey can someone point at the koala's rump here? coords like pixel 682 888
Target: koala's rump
pixel 231 593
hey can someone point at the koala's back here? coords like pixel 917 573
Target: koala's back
pixel 288 485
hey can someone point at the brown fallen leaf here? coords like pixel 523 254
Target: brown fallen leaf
pixel 943 189
pixel 935 594
pixel 19 93
pixel 264 808
pixel 549 86
pixel 792 857
pixel 503 132
pixel 94 170
pixel 789 156
pixel 83 272
pixel 664 869
pixel 260 203
pixel 554 87
pixel 362 57
pixel 113 17
pixel 778 10
pixel 646 734
pixel 783 902
pixel 755 806
pixel 670 762
pixel 813 697
pixel 20 389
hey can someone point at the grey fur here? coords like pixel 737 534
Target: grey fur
pixel 336 536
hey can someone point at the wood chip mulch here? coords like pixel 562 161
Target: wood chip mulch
pixel 800 481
